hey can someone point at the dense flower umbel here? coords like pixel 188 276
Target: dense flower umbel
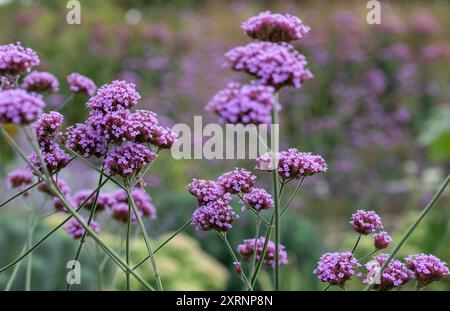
pixel 365 222
pixel 20 107
pixel 238 180
pixel 259 199
pixel 395 274
pixel 427 268
pixel 128 159
pixel 381 239
pixel 38 81
pixel 15 59
pixel 20 178
pixel 54 157
pixel 142 200
pixel 268 26
pixel 81 84
pixel 336 268
pixel 214 215
pixel 247 104
pixel 104 200
pixel 295 164
pixel 163 137
pixel 47 125
pixel 273 64
pixel 114 96
pixel 75 229
pixel 205 190
pixel 84 140
pixel 142 126
pixel 246 250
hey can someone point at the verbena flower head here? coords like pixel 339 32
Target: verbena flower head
pixel 128 159
pixel 143 124
pixel 394 275
pixel 274 27
pixel 381 239
pixel 427 268
pixel 20 107
pixel 336 268
pixel 104 200
pixel 259 199
pixel 247 104
pixel 266 162
pixel 115 126
pixel 81 84
pixel 20 178
pixel 273 64
pixel 114 96
pixel 15 59
pixel 205 190
pixel 40 81
pixel 365 222
pixel 214 215
pixel 61 184
pixel 295 164
pixel 236 181
pixel 83 139
pixel 142 200
pixel 75 229
pixel 47 125
pixel 246 250
pixel 163 137
pixel 54 158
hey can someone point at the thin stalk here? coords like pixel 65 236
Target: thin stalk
pixel 276 212
pixel 16 269
pixel 146 239
pixel 356 244
pixel 20 193
pixel 413 226
pixel 264 250
pixel 30 258
pixel 164 243
pixel 127 246
pixel 288 203
pixel 326 287
pixel 368 255
pixel 253 210
pixel 252 267
pixel 233 256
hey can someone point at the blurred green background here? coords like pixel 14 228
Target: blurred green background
pixel 377 110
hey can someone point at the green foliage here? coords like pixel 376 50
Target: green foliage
pixel 436 133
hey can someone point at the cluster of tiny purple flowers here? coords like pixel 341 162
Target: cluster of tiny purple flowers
pixel 38 81
pixel 247 249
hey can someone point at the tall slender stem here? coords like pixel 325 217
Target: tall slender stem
pixel 288 203
pixel 127 247
pixel 356 244
pixel 16 269
pixel 276 211
pixel 413 226
pixel 30 258
pixel 252 268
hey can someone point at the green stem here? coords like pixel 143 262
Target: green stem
pixel 413 226
pixel 20 193
pixel 288 203
pixel 252 269
pixel 368 255
pixel 16 269
pixel 146 239
pixel 164 243
pixel 30 258
pixel 257 214
pixel 326 288
pixel 264 250
pixel 356 244
pixel 127 246
pixel 276 212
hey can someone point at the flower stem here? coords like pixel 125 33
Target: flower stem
pixel 19 193
pixel 16 269
pixel 127 247
pixel 257 214
pixel 356 244
pixel 276 211
pixel 326 287
pixel 368 255
pixel 413 226
pixel 30 258
pixel 288 203
pixel 252 269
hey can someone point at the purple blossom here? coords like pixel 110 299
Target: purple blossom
pixel 114 96
pixel 427 268
pixel 84 140
pixel 215 215
pixel 128 159
pixel 20 178
pixel 205 190
pixel 75 229
pixel 54 158
pixel 258 199
pixel 336 268
pixel 104 200
pixel 40 81
pixel 236 181
pixel 61 184
pixel 247 104
pixel 47 125
pixel 15 59
pixel 81 84
pixel 295 164
pixel 394 275
pixel 19 107
pixel 163 137
pixel 273 64
pixel 143 125
pixel 381 240
pixel 142 200
pixel 246 250
pixel 365 222
pixel 274 27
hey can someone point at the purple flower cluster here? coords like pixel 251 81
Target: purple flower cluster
pixel 336 268
pixel 81 84
pixel 205 190
pixel 38 81
pixel 247 104
pixel 215 215
pixel 128 159
pixel 117 95
pixel 273 64
pixel 295 164
pixel 246 250
pixel 381 240
pixel 15 59
pixel 105 201
pixel 86 141
pixel 394 275
pixel 268 26
pixel 47 125
pixel 142 200
pixel 236 181
pixel 427 268
pixel 366 222
pixel 75 229
pixel 20 178
pixel 20 107
pixel 258 199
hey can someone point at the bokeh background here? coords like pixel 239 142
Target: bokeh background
pixel 377 110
